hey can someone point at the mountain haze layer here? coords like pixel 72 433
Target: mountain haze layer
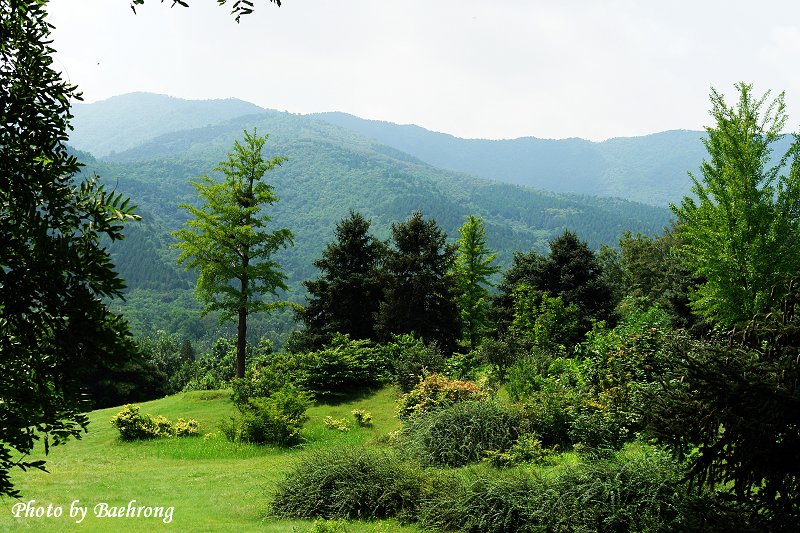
pixel 123 122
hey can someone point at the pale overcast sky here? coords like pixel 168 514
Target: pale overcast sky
pixel 472 68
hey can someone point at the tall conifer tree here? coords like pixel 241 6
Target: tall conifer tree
pixel 741 233
pixel 228 243
pixel 420 296
pixel 473 267
pixel 345 298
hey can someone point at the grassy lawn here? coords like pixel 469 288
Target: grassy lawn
pixel 212 484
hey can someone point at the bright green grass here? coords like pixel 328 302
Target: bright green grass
pixel 212 484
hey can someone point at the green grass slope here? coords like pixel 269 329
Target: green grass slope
pixel 212 484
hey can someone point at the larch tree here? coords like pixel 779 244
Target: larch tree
pixel 740 234
pixel 473 267
pixel 228 243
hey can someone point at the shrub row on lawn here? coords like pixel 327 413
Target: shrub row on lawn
pixel 638 489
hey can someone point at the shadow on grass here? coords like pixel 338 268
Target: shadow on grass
pixel 347 396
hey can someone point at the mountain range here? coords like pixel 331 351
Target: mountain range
pixel 149 147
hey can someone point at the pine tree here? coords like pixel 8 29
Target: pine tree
pixel 346 297
pixel 420 296
pixel 571 271
pixel 227 240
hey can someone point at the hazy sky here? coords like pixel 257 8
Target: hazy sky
pixel 472 68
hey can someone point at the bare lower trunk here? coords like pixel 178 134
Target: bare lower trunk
pixel 241 342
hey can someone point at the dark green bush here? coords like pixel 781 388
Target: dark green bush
pixel 350 482
pixel 342 366
pixel 412 360
pixel 635 490
pixel 461 433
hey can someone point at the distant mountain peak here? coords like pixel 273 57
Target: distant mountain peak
pixel 128 120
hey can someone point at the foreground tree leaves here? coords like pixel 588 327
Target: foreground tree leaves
pixel 733 407
pixel 55 329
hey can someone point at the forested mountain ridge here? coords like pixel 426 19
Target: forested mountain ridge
pixel 650 169
pixel 329 171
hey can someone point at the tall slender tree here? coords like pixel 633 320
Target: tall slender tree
pixel 228 243
pixel 473 267
pixel 741 233
pixel 346 297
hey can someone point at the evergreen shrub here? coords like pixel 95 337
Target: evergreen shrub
pixel 348 483
pixel 461 434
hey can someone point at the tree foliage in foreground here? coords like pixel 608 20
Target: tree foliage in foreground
pixel 741 234
pixel 238 7
pixel 55 329
pixel 228 243
pixel 738 403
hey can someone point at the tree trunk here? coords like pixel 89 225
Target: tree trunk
pixel 241 333
pixel 241 342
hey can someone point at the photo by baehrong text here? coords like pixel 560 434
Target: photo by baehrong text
pixel 78 512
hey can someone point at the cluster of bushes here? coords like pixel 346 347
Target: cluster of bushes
pixel 637 489
pixel 595 398
pixel 133 425
pixel 276 391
